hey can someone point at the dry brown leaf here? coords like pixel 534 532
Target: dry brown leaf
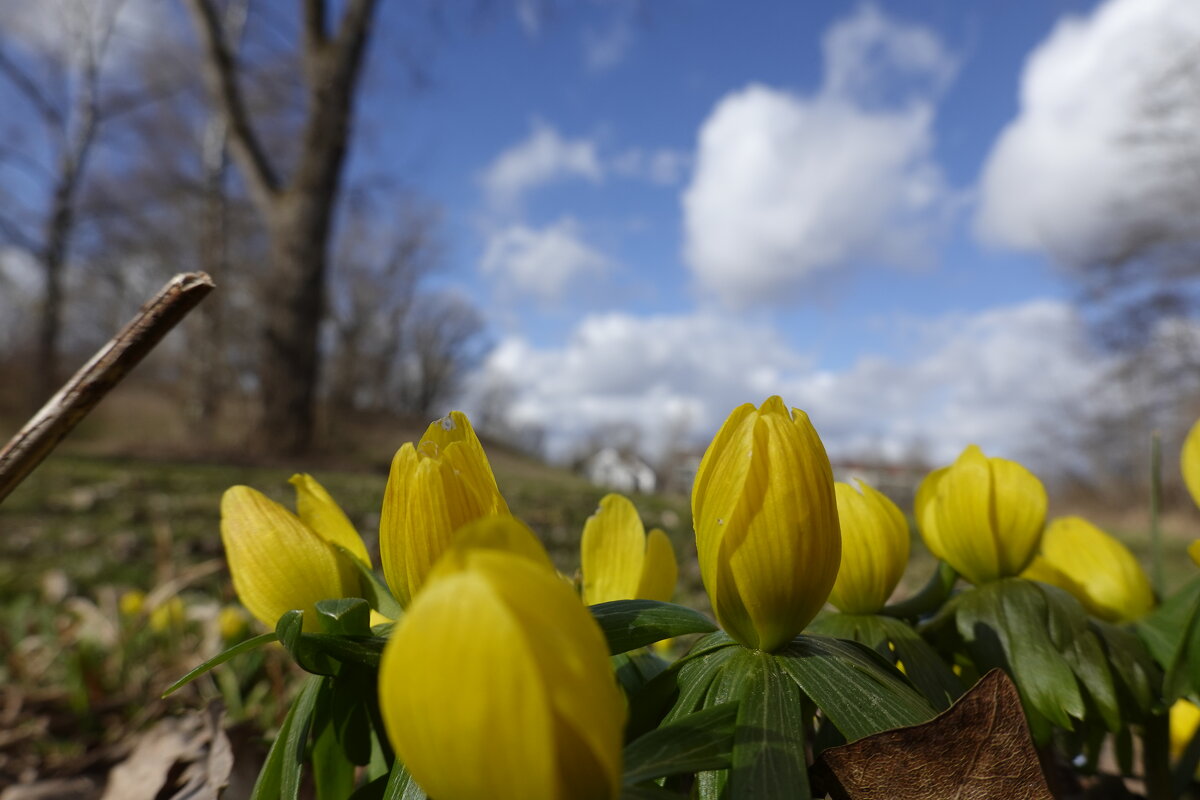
pixel 186 756
pixel 979 749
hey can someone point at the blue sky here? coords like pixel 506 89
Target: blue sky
pixel 668 209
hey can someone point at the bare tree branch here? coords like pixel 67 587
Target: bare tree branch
pixel 221 72
pixel 314 25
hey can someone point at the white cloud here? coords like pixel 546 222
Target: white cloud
pixel 786 186
pixel 606 48
pixel 663 167
pixel 543 157
pixel 541 262
pixel 979 378
pixel 1063 177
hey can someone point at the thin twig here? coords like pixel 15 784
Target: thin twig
pixel 107 368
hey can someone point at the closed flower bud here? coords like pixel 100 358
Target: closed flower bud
pixel 434 488
pixel 619 561
pixel 1103 575
pixel 1184 721
pixel 983 516
pixel 875 544
pixel 1189 463
pixel 766 524
pixel 495 642
pixel 277 562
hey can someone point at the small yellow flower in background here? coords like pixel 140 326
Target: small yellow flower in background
pixel 1185 719
pixel 983 516
pixel 766 524
pixel 875 545
pixel 495 642
pixel 619 561
pixel 1194 551
pixel 1189 462
pixel 231 622
pixel 433 489
pixel 168 616
pixel 319 511
pixel 277 562
pixel 131 602
pixel 1090 564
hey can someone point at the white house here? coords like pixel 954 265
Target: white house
pixel 620 472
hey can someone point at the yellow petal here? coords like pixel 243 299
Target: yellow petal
pixel 924 509
pixel 320 512
pixel 277 562
pixel 766 524
pixel 498 643
pixel 1100 571
pixel 433 489
pixel 502 532
pixel 612 551
pixel 1189 462
pixel 659 570
pixel 1185 719
pixel 875 544
pixel 1019 509
pixel 1194 551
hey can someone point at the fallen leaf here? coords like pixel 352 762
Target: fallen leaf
pixel 979 749
pixel 179 757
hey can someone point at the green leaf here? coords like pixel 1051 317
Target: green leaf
pixel 297 738
pixel 373 588
pixel 345 616
pixel 930 598
pixel 350 699
pixel 221 658
pixel 650 792
pixel 401 786
pixel 1137 675
pixel 333 774
pixel 630 624
pixel 895 640
pixel 1172 635
pixel 857 689
pixel 1070 632
pixel 768 743
pixel 365 650
pixel 699 741
pixel 290 630
pixel 267 785
pixel 636 668
pixel 695 677
pixel 1005 624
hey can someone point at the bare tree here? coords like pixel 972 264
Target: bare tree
pixel 297 211
pixel 445 340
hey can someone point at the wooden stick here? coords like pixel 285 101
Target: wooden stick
pixel 108 367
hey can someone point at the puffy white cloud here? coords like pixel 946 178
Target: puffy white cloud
pixel 786 186
pixel 994 378
pixel 606 47
pixel 663 166
pixel 543 157
pixel 1064 177
pixel 541 262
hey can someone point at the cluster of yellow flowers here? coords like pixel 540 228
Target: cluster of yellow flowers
pixel 483 605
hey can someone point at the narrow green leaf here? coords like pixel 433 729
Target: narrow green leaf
pixel 1132 665
pixel 630 624
pixel 695 677
pixel 365 650
pixel 351 697
pixel 699 741
pixel 288 629
pixel 1172 635
pixel 1074 638
pixel 930 598
pixel 857 689
pixel 768 759
pixel 374 589
pixel 221 658
pixel 636 668
pixel 727 685
pixel 333 774
pixel 267 785
pixel 297 738
pixel 650 792
pixel 401 786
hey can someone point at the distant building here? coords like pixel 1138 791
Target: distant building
pixel 897 481
pixel 621 472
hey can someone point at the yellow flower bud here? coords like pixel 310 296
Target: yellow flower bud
pixel 434 488
pixel 1103 575
pixel 983 516
pixel 277 562
pixel 1185 719
pixel 131 602
pixel 1194 551
pixel 619 561
pixel 168 615
pixel 319 512
pixel 766 524
pixel 231 622
pixel 1189 462
pixel 875 544
pixel 496 642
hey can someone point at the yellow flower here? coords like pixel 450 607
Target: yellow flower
pixel 619 561
pixel 496 642
pixel 766 524
pixel 1194 551
pixel 277 562
pixel 875 545
pixel 168 615
pixel 1189 463
pixel 131 602
pixel 1096 568
pixel 1185 719
pixel 983 516
pixel 231 622
pixel 434 488
pixel 319 512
